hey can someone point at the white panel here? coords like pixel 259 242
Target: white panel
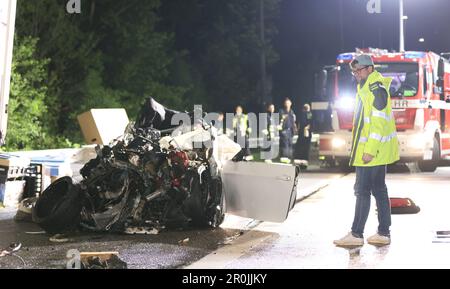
pixel 259 191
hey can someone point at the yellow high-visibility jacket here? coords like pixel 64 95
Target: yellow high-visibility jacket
pixel 240 123
pixel 374 129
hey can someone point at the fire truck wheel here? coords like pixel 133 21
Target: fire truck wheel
pixel 430 166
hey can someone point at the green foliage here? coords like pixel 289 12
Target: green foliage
pixel 27 108
pixel 116 53
pixel 222 45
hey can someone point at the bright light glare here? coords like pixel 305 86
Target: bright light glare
pixel 337 142
pixel 417 142
pixel 346 102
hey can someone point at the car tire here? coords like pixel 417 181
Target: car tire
pixel 58 208
pixel 217 216
pixel 194 205
pixel 198 206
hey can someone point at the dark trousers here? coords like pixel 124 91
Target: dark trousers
pixel 245 147
pixel 371 180
pixel 302 148
pixel 286 144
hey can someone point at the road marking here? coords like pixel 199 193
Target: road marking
pixel 227 254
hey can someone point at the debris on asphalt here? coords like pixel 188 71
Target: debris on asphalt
pixel 101 260
pixel 11 251
pixel 403 206
pixel 230 240
pixel 141 231
pixel 184 241
pixel 13 247
pixel 59 238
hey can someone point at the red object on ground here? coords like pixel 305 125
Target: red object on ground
pixel 403 206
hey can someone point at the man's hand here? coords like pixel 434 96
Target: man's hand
pixel 367 158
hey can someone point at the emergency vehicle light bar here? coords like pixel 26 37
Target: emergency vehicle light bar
pixel 345 56
pixel 376 51
pixel 414 54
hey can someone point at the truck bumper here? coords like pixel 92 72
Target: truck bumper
pixel 412 146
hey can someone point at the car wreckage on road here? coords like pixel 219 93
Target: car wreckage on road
pixel 158 175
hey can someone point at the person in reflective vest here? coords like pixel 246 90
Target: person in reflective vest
pixel 242 131
pixel 270 132
pixel 374 145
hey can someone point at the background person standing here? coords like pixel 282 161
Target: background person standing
pixel 303 144
pixel 287 130
pixel 219 124
pixel 269 132
pixel 242 131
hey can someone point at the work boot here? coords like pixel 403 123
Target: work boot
pixel 379 240
pixel 349 241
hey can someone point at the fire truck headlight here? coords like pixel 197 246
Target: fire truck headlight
pixel 346 102
pixel 417 142
pixel 337 143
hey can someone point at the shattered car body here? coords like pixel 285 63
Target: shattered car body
pixel 159 175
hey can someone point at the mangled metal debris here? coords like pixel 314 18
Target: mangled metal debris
pixel 136 183
pixel 152 178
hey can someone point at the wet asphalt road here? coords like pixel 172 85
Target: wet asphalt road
pixel 164 250
pixel 323 213
pixel 305 239
pixel 168 249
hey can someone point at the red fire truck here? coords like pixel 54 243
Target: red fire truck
pixel 420 95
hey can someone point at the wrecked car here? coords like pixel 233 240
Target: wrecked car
pixel 164 175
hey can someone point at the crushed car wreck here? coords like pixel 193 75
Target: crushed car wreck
pixel 160 175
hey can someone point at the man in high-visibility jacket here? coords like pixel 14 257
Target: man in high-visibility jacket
pixel 374 146
pixel 269 132
pixel 242 131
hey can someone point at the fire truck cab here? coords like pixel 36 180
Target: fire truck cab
pixel 420 97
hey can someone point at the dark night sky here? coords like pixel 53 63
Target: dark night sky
pixel 310 36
